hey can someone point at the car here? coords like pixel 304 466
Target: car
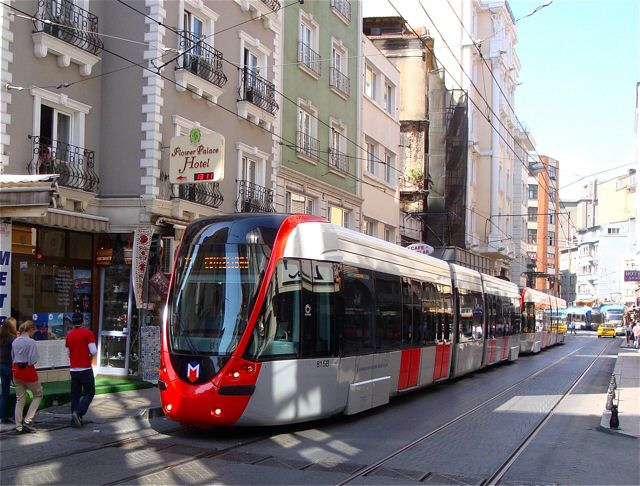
pixel 620 329
pixel 607 329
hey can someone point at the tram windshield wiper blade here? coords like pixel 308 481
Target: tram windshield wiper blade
pixel 183 333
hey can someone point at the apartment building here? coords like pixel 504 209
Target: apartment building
pixel 319 171
pixel 543 207
pixel 380 144
pixel 100 92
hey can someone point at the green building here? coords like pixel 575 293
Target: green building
pixel 319 172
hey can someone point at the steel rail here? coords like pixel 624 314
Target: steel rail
pixel 368 469
pixel 520 448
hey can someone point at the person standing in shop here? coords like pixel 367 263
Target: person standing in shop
pixel 81 346
pixel 24 354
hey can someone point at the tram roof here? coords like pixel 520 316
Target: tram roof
pixel 329 242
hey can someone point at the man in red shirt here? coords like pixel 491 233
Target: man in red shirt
pixel 81 346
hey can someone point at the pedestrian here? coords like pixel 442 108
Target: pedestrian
pixel 572 326
pixel 628 331
pixel 24 353
pixel 81 346
pixel 636 335
pixel 7 334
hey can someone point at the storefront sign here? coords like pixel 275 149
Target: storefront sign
pixel 421 248
pixel 150 353
pixel 5 271
pixel 141 246
pixel 632 275
pixel 532 255
pixel 196 158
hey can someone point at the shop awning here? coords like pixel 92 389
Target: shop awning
pixel 26 196
pixel 61 218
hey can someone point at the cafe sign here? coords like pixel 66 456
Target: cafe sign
pixel 198 157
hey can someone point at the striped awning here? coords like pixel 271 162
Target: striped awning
pixel 61 218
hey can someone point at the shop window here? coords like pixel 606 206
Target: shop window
pixel 81 246
pixel 52 243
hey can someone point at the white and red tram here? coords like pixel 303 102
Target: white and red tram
pixel 275 319
pixel 541 326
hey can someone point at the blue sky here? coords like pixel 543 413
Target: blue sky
pixel 580 64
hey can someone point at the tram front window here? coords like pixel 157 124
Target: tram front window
pixel 214 291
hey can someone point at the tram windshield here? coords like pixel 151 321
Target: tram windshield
pixel 614 315
pixel 214 290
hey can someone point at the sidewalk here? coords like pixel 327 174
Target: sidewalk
pixel 105 408
pixel 627 373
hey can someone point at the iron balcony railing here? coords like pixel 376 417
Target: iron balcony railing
pixel 339 81
pixel 272 4
pixel 75 165
pixel 343 7
pixel 200 58
pixel 205 193
pixel 338 160
pixel 253 198
pixel 309 57
pixel 66 21
pixel 307 145
pixel 257 90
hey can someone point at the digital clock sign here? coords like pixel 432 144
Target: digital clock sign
pixel 203 176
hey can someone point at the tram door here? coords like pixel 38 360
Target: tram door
pixel 320 295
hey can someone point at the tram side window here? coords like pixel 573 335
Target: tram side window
pixel 359 317
pixel 446 299
pixel 388 311
pixel 410 327
pixel 529 317
pixel 516 322
pixel 277 331
pixel 471 313
pixel 432 327
pixel 491 316
pixel 416 312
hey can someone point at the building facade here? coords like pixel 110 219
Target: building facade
pixel 380 145
pixel 542 226
pixel 101 113
pixel 318 172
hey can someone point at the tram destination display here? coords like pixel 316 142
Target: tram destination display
pixel 196 158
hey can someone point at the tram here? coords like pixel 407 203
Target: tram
pixel 580 316
pixel 275 319
pixel 542 323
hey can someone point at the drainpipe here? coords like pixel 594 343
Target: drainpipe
pixel 495 142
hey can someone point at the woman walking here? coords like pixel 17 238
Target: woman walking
pixel 7 334
pixel 25 376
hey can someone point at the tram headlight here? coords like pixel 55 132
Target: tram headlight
pixel 169 407
pixel 236 374
pixel 217 412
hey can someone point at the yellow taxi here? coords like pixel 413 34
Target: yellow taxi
pixel 607 329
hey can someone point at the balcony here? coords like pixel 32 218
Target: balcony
pixel 205 193
pixel 339 81
pixel 310 59
pixel 307 146
pixel 272 4
pixel 199 68
pixel 68 31
pixel 343 8
pixel 75 165
pixel 253 198
pixel 338 161
pixel 257 91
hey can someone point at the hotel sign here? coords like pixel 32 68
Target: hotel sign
pixel 198 157
pixel 632 275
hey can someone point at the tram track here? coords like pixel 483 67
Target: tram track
pixel 499 473
pixel 358 474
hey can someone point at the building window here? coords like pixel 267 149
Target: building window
pixel 533 191
pixel 308 44
pixel 371 158
pixel 532 215
pixel 388 168
pixel 298 204
pixel 552 218
pixel 338 216
pixel 532 236
pixel 337 148
pixel 388 98
pixel 307 143
pixel 370 227
pixel 473 170
pixel 389 234
pixel 613 231
pixel 338 78
pixel 552 238
pixel 370 82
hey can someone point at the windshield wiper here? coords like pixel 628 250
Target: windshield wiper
pixel 177 322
